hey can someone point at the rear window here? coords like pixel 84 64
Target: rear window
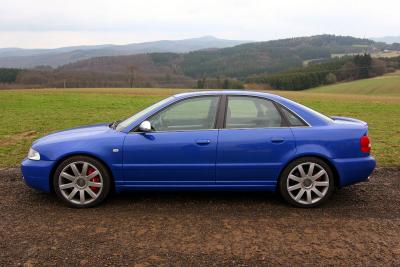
pixel 293 119
pixel 315 113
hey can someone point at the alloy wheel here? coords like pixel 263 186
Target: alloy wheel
pixel 80 182
pixel 307 183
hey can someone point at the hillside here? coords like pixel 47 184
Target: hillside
pixel 384 85
pixel 262 57
pixel 117 71
pixel 28 58
pixel 273 56
pixel 184 69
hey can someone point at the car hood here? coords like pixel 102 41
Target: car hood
pixel 74 133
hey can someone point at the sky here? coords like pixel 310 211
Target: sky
pixel 58 23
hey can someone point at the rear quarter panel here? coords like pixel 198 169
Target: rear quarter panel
pixel 340 145
pixel 332 141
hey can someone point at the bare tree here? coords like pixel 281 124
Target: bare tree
pixel 131 75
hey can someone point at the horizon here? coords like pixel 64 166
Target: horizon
pixel 54 24
pixel 115 44
pixel 192 38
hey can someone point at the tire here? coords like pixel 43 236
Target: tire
pixel 302 185
pixel 83 186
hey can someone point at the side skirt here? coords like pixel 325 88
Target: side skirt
pixel 179 185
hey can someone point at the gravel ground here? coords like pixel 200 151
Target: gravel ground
pixel 359 226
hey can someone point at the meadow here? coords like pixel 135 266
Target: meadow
pixel 28 114
pixel 388 85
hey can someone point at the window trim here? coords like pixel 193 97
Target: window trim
pixel 277 105
pixel 136 129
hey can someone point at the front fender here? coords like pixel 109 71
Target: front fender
pixel 108 149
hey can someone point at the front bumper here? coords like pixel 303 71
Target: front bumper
pixel 36 173
pixel 354 170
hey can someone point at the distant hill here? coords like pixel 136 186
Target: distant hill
pixel 271 56
pixel 383 85
pixel 185 69
pixel 28 58
pixel 245 59
pixel 387 39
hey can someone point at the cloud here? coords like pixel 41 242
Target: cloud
pixel 36 23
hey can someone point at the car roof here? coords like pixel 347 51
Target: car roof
pixel 228 92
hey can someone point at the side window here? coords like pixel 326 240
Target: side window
pixel 292 118
pixel 252 112
pixel 192 114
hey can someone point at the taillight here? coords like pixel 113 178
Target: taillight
pixel 365 144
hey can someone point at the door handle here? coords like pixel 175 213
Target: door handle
pixel 277 140
pixel 203 142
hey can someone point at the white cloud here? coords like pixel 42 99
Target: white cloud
pixel 51 23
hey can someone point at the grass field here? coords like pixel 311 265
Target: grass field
pixel 388 85
pixel 28 114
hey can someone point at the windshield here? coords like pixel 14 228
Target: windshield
pixel 125 123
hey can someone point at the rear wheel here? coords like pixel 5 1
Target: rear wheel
pixel 81 182
pixel 306 182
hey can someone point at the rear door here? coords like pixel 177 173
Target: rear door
pixel 254 143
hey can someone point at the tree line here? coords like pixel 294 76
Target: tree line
pixel 8 75
pixel 332 71
pixel 218 83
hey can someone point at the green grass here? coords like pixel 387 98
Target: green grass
pixel 26 115
pixel 30 114
pixel 384 85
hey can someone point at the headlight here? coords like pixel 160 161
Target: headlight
pixel 33 154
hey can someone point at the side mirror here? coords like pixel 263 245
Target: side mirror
pixel 145 126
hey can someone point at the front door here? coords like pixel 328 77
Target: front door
pixel 181 148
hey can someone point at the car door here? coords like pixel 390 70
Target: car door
pixel 254 143
pixel 180 149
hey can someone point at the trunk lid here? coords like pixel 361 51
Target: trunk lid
pixel 347 120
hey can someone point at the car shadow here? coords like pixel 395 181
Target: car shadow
pixel 197 197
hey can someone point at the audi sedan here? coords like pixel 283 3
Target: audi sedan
pixel 230 140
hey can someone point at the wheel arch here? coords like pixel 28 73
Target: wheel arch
pixel 61 159
pixel 336 176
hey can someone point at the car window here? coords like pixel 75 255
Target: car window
pixel 192 114
pixel 292 118
pixel 307 109
pixel 125 123
pixel 251 112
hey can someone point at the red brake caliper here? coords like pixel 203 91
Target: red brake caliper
pixel 95 179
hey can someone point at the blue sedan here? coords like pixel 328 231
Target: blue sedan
pixel 231 140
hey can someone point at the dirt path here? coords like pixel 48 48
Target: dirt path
pixel 359 226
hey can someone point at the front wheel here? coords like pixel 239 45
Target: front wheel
pixel 81 182
pixel 306 182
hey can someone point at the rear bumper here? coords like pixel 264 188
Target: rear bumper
pixel 354 170
pixel 36 174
